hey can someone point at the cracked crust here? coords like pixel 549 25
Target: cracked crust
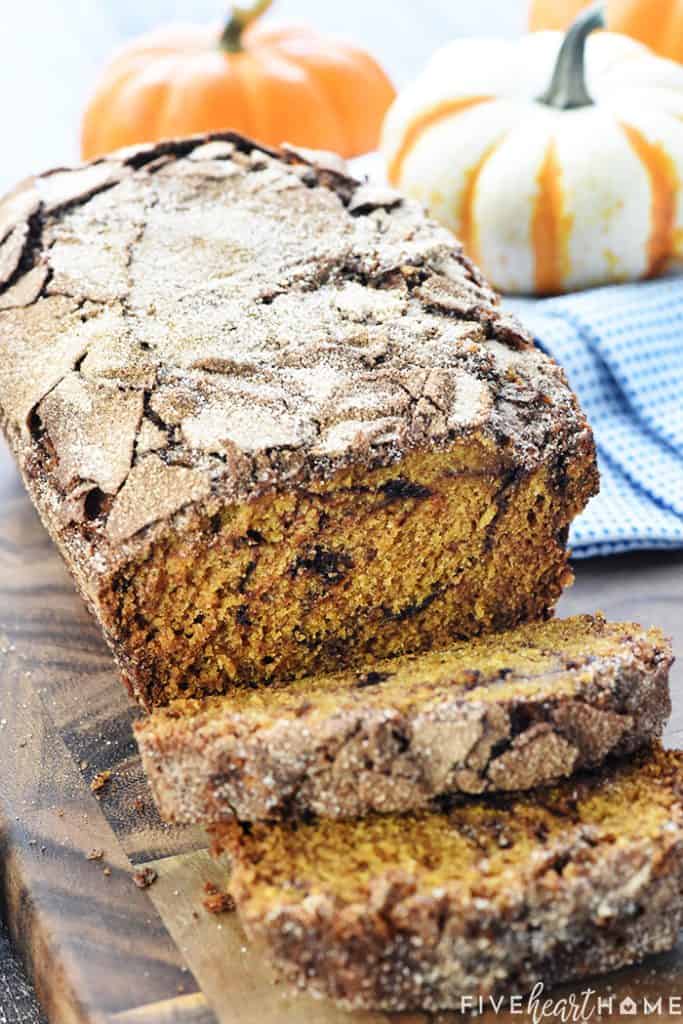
pixel 504 713
pixel 488 897
pixel 403 343
pixel 192 326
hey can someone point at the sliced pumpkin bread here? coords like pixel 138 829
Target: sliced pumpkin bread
pixel 504 712
pixel 242 387
pixel 489 896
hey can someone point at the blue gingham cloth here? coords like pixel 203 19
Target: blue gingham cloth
pixel 622 349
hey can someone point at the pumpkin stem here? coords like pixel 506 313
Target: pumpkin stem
pixel 240 19
pixel 567 90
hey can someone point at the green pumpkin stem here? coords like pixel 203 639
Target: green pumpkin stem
pixel 568 90
pixel 240 19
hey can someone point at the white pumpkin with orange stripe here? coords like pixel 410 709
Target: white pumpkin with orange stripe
pixel 554 188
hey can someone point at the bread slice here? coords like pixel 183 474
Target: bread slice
pixel 489 896
pixel 510 711
pixel 274 419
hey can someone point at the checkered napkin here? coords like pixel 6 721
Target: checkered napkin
pixel 622 349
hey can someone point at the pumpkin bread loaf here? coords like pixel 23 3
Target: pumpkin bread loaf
pixel 273 418
pixel 510 711
pixel 487 896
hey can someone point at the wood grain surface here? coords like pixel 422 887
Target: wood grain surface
pixel 98 948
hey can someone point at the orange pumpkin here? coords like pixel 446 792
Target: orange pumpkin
pixel 287 84
pixel 657 23
pixel 554 14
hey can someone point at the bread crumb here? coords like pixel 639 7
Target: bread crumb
pixel 100 781
pixel 95 854
pixel 217 902
pixel 144 877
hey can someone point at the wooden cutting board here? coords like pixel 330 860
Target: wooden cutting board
pixel 97 947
